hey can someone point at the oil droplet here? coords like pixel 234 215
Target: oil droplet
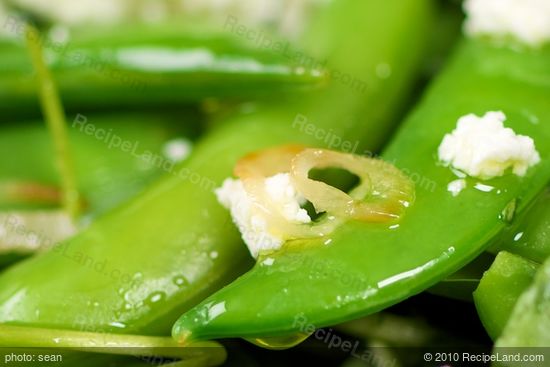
pixel 117 324
pixel 279 342
pixel 484 188
pixel 156 297
pixel 518 236
pixel 458 173
pixel 177 150
pixel 127 306
pixel 216 310
pixel 180 281
pixel 508 213
pixel 214 255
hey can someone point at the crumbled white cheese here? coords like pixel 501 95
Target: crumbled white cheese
pixel 288 16
pixel 526 20
pixel 482 147
pixel 456 186
pixel 268 262
pixel 280 189
pixel 76 12
pixel 252 221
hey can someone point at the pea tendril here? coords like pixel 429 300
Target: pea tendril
pixel 55 119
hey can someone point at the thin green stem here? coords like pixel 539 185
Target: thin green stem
pixel 200 353
pixel 56 122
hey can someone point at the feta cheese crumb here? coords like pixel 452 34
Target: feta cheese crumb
pixel 251 219
pixel 482 147
pixel 76 12
pixel 456 186
pixel 268 262
pixel 526 20
pixel 281 190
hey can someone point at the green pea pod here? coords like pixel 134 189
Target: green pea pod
pixel 511 274
pixel 137 268
pixel 530 238
pixel 115 157
pixel 462 284
pixel 199 354
pixel 527 237
pixel 499 289
pixel 529 324
pixel 367 267
pixel 153 68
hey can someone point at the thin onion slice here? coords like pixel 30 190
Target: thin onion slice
pixel 267 162
pixel 253 169
pixel 383 193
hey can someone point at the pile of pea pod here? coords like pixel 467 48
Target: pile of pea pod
pixel 151 270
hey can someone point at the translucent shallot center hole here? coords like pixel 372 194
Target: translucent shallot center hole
pixel 338 178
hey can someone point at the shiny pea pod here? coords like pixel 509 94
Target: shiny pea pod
pixel 363 268
pixel 499 289
pixel 530 238
pixel 529 323
pixel 461 284
pixel 44 341
pixel 115 157
pixel 527 237
pixel 165 67
pixel 138 267
pixel 512 273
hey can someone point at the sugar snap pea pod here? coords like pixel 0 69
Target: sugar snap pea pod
pixel 115 156
pixel 499 289
pixel 303 284
pixel 462 283
pixel 511 274
pixel 202 354
pixel 530 237
pixel 148 69
pixel 175 242
pixel 528 325
pixel 30 217
pixel 527 237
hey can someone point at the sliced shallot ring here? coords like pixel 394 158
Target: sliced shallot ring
pixel 254 168
pixel 383 193
pixel 267 162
